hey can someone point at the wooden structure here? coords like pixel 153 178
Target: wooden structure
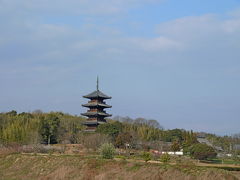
pixel 96 114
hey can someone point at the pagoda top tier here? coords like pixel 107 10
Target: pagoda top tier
pixel 97 94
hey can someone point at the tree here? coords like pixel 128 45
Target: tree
pixel 107 151
pixel 175 146
pixel 37 111
pixel 25 128
pixel 154 123
pixel 49 127
pixel 92 140
pixel 202 151
pixel 123 139
pixel 173 135
pixel 26 115
pixel 140 121
pixel 111 129
pixel 146 156
pixel 124 119
pixel 12 113
pixel 190 138
pixel 165 158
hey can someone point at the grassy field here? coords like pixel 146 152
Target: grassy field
pixel 221 161
pixel 45 166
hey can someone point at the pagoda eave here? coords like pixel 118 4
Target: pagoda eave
pixel 94 122
pixel 96 105
pixel 96 114
pixel 97 94
pixel 93 97
pixel 90 123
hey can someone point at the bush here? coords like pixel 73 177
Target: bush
pixel 122 139
pixel 202 151
pixel 175 146
pixel 165 158
pixel 107 151
pixel 121 157
pixel 146 156
pixel 92 141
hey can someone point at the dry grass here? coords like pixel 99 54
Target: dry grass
pixel 26 166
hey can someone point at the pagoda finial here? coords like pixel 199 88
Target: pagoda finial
pixel 97 83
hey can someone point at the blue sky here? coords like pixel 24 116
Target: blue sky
pixel 174 61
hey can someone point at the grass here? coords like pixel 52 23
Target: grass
pixel 220 161
pixel 229 168
pixel 39 166
pixel 135 167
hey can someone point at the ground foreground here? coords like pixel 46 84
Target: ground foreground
pixel 39 166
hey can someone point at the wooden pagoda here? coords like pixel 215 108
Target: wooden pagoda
pixel 96 114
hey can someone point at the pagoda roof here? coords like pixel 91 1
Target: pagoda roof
pixel 97 94
pixel 96 114
pixel 93 122
pixel 95 104
pixel 90 123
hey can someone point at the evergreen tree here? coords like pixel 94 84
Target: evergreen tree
pixel 49 127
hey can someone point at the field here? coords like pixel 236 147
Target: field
pixel 56 166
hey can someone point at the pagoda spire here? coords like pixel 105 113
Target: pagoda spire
pixel 97 83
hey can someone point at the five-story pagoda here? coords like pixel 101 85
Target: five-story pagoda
pixel 96 114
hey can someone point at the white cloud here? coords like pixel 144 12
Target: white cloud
pixel 232 26
pixel 158 44
pixel 207 31
pixel 56 42
pixel 190 27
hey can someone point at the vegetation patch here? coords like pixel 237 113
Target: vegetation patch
pixel 135 167
pixel 227 168
pixel 107 151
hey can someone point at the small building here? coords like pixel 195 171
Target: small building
pixel 96 113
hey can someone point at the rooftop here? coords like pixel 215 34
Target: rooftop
pixel 97 94
pixel 96 114
pixel 94 104
pixel 93 122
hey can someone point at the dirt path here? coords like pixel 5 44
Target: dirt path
pixel 197 164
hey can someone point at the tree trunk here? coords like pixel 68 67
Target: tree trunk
pixel 49 139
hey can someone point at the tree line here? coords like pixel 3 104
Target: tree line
pixel 58 127
pixel 39 127
pixel 124 132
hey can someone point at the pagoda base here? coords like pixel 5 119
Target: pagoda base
pixel 92 125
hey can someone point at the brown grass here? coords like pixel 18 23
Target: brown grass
pixel 41 167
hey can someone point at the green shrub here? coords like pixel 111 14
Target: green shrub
pixel 107 151
pixel 121 157
pixel 165 158
pixel 146 156
pixel 202 151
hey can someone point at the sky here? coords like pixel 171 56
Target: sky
pixel 174 61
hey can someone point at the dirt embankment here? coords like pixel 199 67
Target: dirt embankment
pixel 19 166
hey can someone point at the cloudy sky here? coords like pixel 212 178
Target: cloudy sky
pixel 174 61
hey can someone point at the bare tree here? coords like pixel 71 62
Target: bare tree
pixel 92 141
pixel 154 123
